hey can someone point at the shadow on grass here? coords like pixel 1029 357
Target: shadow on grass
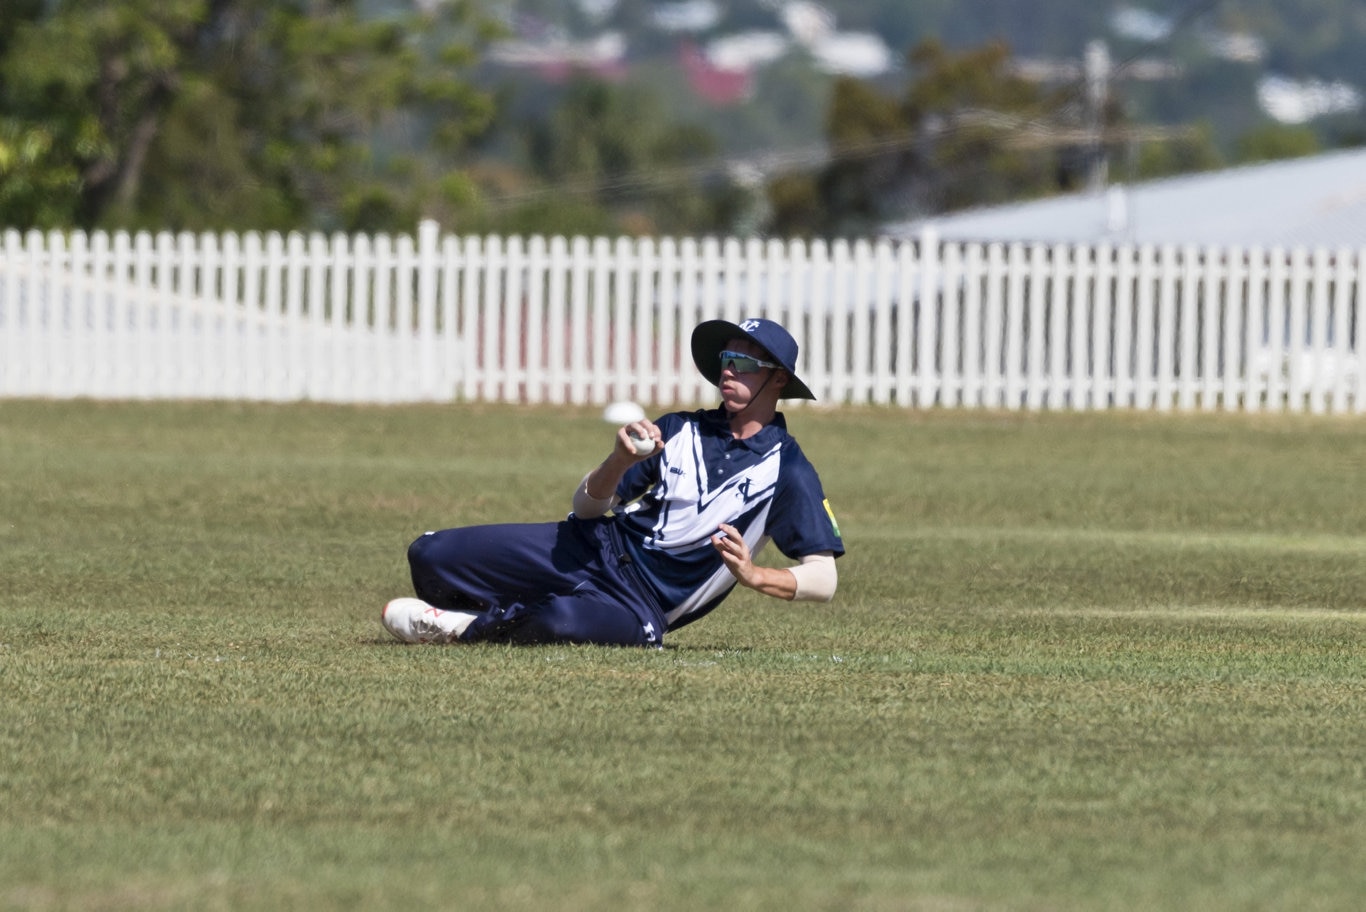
pixel 684 648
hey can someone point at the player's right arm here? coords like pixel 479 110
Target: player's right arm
pixel 596 494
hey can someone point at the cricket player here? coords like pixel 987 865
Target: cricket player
pixel 661 531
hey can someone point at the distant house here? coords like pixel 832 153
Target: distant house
pixel 1300 101
pixel 714 84
pixel 686 15
pixel 1319 201
pixel 859 54
pixel 556 57
pixel 722 71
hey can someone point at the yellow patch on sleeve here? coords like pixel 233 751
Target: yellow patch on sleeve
pixel 831 513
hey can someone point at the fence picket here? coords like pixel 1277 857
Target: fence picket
pixel 1274 331
pixel 927 322
pixel 641 377
pixel 1016 386
pixel 950 322
pixel 1101 387
pixel 1358 345
pixel 817 335
pixel 1036 327
pixel 1189 327
pixel 1341 351
pixel 886 326
pixel 993 321
pixel 57 361
pixel 1298 333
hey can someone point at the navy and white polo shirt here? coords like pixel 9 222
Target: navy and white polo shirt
pixel 674 502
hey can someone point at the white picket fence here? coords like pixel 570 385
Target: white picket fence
pixel 915 323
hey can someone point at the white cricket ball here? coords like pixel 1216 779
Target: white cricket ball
pixel 642 445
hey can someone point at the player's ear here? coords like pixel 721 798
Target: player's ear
pixel 780 378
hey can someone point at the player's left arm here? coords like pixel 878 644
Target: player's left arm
pixel 814 579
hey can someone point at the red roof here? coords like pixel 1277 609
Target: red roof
pixel 713 84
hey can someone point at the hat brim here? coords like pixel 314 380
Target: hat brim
pixel 709 339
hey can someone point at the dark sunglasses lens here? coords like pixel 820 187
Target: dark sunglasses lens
pixel 738 363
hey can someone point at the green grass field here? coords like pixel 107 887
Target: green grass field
pixel 1076 662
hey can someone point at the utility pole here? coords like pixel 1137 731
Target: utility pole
pixel 1097 70
pixel 1098 73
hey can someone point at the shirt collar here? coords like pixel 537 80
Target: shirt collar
pixel 761 442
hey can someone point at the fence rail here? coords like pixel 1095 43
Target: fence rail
pixel 914 323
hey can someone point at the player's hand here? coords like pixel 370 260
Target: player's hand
pixel 774 581
pixel 639 433
pixel 734 553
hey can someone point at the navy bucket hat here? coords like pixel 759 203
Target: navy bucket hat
pixel 709 340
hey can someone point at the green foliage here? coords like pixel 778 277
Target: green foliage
pixel 611 153
pixel 1076 661
pixel 35 189
pixel 796 206
pixel 1275 141
pixel 240 113
pixel 1198 152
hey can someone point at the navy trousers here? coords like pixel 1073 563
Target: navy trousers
pixel 565 582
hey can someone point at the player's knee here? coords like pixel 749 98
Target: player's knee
pixel 422 552
pixel 559 620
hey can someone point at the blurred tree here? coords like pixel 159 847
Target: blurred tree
pixel 614 148
pixel 199 114
pixel 36 184
pixel 872 150
pixel 795 205
pixel 1198 152
pixel 1273 141
pixel 966 131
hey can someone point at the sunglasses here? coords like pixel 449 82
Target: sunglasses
pixel 743 364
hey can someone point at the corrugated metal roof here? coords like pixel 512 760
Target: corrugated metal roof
pixel 1318 201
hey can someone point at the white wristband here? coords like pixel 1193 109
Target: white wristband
pixel 587 506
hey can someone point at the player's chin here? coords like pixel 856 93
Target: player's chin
pixel 734 400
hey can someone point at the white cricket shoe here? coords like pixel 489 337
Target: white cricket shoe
pixel 414 621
